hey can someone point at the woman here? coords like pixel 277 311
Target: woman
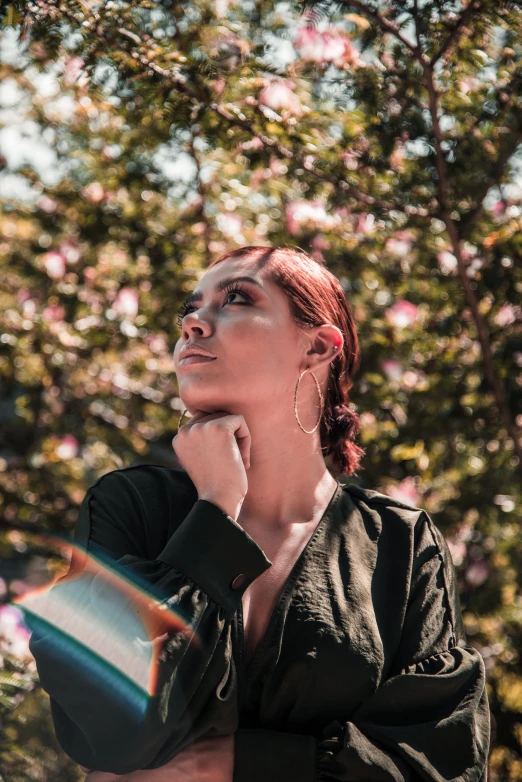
pixel 330 638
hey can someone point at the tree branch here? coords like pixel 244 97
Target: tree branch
pixel 384 24
pixel 473 5
pixel 201 190
pixel 497 168
pixel 492 179
pixel 442 187
pixel 495 384
pixel 228 112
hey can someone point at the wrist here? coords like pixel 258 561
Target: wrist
pixel 228 504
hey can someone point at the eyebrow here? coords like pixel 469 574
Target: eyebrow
pixel 222 284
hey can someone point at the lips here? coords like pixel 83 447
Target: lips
pixel 194 350
pixel 195 358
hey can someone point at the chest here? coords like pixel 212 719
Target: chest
pixel 260 599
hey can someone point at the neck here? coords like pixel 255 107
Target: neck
pixel 288 480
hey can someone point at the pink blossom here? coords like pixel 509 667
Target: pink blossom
pixel 69 249
pixel 464 532
pixel 93 192
pixel 221 8
pixel 413 379
pixel 298 212
pixel 388 60
pixel 498 208
pixel 402 314
pixel 10 618
pixel 53 312
pixel 457 549
pixel 68 447
pixel 91 274
pixel 276 166
pixel 257 176
pixel 340 50
pixel 350 159
pixel 329 46
pixel 29 308
pixel 405 491
pixel 14 636
pixel 477 572
pixel 469 84
pixel 253 143
pixel 73 69
pixel 365 224
pixel 392 368
pixel 157 343
pixel 278 94
pixel 47 204
pixel 397 247
pixel 401 243
pixel 309 43
pixel 126 302
pixel 397 158
pixel 320 242
pixel 218 85
pixel 229 223
pixel 506 315
pixel 447 261
pixel 22 295
pixel 19 646
pixel 54 264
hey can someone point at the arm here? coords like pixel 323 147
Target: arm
pixel 100 720
pixel 429 720
pixel 206 760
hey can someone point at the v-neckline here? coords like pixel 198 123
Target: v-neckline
pixel 288 585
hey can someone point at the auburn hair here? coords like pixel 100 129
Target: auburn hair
pixel 316 297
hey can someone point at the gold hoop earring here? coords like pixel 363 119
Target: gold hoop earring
pixel 295 402
pixel 336 347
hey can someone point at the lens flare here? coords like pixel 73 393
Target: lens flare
pixel 107 624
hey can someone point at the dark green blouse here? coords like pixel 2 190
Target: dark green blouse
pixel 364 672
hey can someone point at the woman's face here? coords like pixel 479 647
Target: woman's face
pixel 259 350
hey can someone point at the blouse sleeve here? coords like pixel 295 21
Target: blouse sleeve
pixel 430 719
pixel 98 719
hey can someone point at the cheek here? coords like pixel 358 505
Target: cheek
pixel 260 338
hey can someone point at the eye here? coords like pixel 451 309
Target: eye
pixel 234 288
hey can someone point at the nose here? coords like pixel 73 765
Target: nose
pixel 193 324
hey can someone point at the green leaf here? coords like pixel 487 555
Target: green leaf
pixel 12 17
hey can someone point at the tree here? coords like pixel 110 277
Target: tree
pixel 382 138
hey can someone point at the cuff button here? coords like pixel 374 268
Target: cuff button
pixel 239 581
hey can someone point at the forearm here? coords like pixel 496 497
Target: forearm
pixel 206 760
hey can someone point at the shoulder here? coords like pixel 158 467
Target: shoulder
pixel 388 510
pixel 409 533
pixel 426 537
pixel 149 495
pixel 394 516
pixel 144 479
pixel 136 509
pixel 373 496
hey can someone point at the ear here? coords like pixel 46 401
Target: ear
pixel 326 343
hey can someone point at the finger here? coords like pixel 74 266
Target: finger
pixel 239 428
pixel 236 425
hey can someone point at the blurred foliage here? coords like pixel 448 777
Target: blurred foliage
pixel 382 138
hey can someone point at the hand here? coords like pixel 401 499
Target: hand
pixel 214 448
pixel 209 759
